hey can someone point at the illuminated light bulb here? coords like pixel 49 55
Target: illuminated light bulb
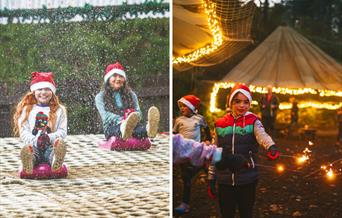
pixel 311 143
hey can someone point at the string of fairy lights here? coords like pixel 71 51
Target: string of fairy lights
pixel 280 90
pixel 215 29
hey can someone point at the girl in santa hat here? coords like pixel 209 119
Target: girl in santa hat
pixel 41 123
pixel 189 125
pixel 119 108
pixel 233 162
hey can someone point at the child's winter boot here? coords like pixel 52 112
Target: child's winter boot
pixel 153 118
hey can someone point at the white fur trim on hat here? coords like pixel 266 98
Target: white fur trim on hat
pixel 244 92
pixel 41 85
pixel 114 71
pixel 187 103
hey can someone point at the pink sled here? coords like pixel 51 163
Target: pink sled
pixel 131 144
pixel 43 171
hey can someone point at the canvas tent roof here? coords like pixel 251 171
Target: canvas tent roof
pixel 191 30
pixel 287 59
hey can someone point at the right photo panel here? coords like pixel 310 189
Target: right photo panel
pixel 257 108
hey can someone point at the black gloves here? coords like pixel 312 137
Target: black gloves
pixel 273 153
pixel 233 162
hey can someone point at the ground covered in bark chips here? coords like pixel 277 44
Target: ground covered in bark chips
pixel 300 191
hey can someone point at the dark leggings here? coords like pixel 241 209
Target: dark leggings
pixel 241 197
pixel 42 155
pixel 114 130
pixel 188 172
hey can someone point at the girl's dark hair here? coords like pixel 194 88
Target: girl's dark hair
pixel 125 92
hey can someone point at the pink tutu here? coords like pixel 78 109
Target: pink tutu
pixel 130 144
pixel 189 150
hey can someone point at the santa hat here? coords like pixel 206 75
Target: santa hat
pixel 239 87
pixel 112 69
pixel 42 80
pixel 191 101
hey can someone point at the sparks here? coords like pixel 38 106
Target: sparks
pixel 329 173
pixel 306 151
pixel 280 168
pixel 304 157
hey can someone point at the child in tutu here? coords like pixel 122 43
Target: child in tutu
pixel 189 125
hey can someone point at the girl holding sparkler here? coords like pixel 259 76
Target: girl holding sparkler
pixel 238 134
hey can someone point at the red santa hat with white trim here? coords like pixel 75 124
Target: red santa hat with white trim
pixel 112 69
pixel 40 80
pixel 191 101
pixel 242 88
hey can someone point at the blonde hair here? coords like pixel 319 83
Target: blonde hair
pixel 28 101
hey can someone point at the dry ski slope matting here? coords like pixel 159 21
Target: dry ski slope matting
pixel 100 183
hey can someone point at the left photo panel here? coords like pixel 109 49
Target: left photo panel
pixel 84 108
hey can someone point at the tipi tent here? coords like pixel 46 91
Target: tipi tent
pixel 289 60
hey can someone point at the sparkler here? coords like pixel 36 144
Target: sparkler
pixel 328 170
pixel 280 168
pixel 285 155
pixel 329 173
pixel 304 157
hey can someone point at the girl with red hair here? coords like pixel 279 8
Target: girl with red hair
pixel 40 121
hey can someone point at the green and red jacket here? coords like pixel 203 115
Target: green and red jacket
pixel 236 136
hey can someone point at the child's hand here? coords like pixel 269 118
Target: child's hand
pixel 233 162
pixel 127 112
pixel 207 142
pixel 273 153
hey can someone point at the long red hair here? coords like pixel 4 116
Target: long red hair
pixel 29 100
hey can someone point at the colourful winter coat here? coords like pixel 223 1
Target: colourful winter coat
pixel 240 135
pixel 117 115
